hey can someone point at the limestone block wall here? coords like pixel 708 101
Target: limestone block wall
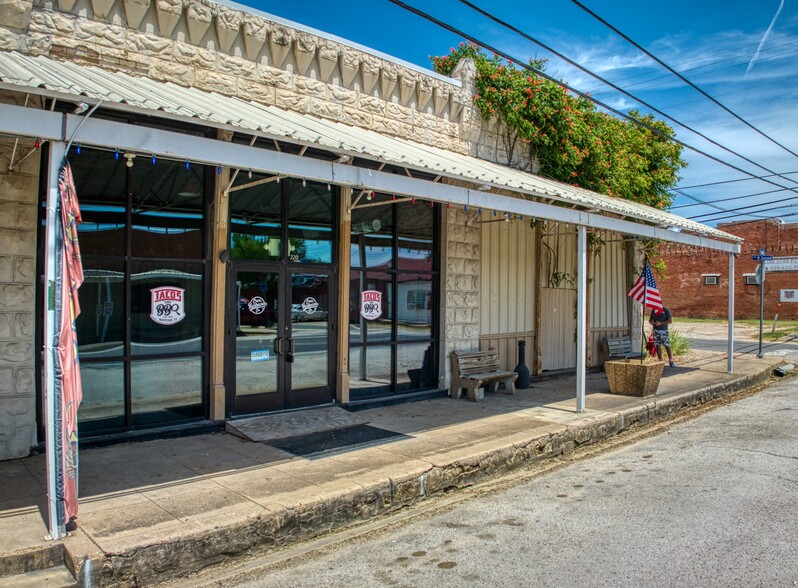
pixel 18 197
pixel 220 49
pixel 461 287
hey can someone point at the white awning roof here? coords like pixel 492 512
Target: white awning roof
pixel 121 91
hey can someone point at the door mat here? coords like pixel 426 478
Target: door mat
pixel 326 443
pixel 266 428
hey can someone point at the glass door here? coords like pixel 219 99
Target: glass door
pixel 254 323
pixel 279 338
pixel 311 337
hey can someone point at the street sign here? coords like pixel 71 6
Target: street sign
pixel 781 264
pixel 762 258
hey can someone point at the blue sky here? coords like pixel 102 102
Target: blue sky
pixel 740 52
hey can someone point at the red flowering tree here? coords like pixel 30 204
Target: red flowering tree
pixel 571 140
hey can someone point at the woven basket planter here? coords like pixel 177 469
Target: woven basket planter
pixel 631 378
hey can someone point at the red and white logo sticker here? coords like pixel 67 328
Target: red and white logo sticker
pixel 370 304
pixel 167 305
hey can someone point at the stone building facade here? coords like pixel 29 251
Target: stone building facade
pixel 192 53
pixel 697 280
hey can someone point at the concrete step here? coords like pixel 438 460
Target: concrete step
pixel 39 566
pixel 54 577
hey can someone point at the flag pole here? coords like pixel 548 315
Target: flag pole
pixel 643 349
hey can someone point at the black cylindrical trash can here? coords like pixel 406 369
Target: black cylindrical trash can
pixel 522 382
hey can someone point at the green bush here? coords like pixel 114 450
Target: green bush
pixel 679 343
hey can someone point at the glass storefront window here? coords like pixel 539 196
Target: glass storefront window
pixel 166 390
pixel 166 308
pixel 372 234
pixel 101 323
pixel 255 218
pixel 373 329
pixel 415 366
pixel 100 181
pixel 103 404
pixel 414 306
pixel 394 257
pixel 167 202
pixel 310 221
pixel 153 211
pixel 415 237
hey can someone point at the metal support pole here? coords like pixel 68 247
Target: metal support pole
pixel 581 317
pixel 57 153
pixel 761 305
pixel 730 350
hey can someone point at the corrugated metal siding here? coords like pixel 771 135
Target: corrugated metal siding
pixel 507 286
pixel 559 328
pixel 558 321
pixel 608 302
pixel 26 73
pixel 507 278
pixel 507 346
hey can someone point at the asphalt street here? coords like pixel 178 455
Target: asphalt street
pixel 709 502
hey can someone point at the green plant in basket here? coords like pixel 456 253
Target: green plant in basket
pixel 680 345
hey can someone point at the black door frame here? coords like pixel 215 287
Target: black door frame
pixel 285 397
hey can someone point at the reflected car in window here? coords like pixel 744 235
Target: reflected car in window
pixel 308 314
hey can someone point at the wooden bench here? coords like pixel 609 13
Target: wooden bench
pixel 618 348
pixel 473 369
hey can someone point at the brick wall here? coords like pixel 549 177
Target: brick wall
pixel 683 289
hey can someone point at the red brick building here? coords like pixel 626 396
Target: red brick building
pixel 696 282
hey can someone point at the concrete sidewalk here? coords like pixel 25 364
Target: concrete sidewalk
pixel 153 510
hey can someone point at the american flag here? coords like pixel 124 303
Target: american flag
pixel 645 290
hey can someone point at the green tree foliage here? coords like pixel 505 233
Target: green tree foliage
pixel 572 141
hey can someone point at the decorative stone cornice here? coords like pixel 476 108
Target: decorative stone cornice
pixel 210 46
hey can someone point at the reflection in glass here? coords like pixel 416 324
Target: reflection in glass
pixel 310 317
pixel 414 306
pixel 255 217
pixel 369 371
pixel 256 322
pixel 415 227
pixel 167 204
pixel 370 330
pixel 310 220
pixel 103 404
pixel 100 184
pixel 166 308
pixel 414 367
pixel 166 390
pixel 372 235
pixel 101 323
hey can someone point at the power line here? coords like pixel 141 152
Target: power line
pixel 711 203
pixel 596 76
pixel 693 70
pixel 718 183
pixel 737 57
pixel 511 59
pixel 681 77
pixel 749 207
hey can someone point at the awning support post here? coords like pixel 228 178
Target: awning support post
pixel 581 317
pixel 57 528
pixel 730 350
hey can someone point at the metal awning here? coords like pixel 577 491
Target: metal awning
pixel 124 92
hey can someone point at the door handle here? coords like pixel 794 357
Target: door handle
pixel 278 345
pixel 289 357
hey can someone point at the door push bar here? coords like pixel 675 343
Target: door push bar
pixel 280 348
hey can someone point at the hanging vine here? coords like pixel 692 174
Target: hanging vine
pixel 570 139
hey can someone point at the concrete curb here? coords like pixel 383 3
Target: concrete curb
pixel 171 558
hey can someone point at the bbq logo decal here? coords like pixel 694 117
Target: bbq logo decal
pixel 370 304
pixel 167 305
